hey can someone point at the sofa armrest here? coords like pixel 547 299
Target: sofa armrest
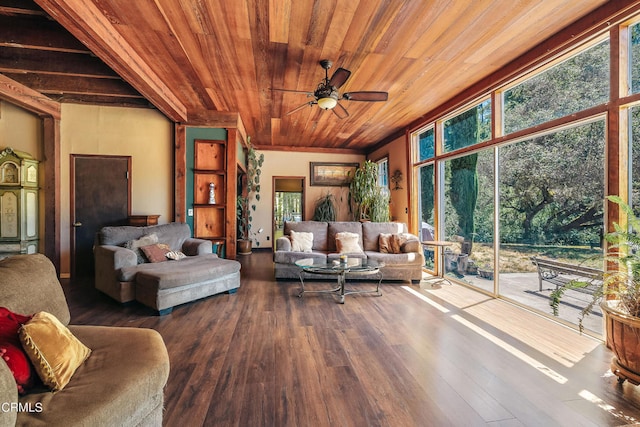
pixel 114 257
pixel 412 244
pixel 193 247
pixel 283 244
pixel 8 396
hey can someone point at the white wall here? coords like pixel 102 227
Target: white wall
pixel 287 163
pixel 144 134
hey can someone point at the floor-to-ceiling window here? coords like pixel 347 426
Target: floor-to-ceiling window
pixel 524 168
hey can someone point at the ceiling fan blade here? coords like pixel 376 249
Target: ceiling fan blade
pixel 339 77
pixel 366 96
pixel 340 111
pixel 294 91
pixel 300 107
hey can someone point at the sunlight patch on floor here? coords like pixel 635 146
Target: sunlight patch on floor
pixel 564 345
pixel 590 397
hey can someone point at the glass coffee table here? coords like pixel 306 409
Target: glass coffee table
pixel 354 267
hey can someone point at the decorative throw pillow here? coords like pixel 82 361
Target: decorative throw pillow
pixel 348 243
pixel 157 252
pixel 301 241
pixel 389 243
pixel 54 351
pixel 411 245
pixel 175 255
pixel 19 365
pixel 135 245
pixel 398 243
pixel 11 351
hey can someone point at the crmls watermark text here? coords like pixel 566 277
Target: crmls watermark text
pixel 21 407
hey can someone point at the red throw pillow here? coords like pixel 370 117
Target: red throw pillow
pixel 11 350
pixel 19 365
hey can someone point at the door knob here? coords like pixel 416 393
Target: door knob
pixel 77 224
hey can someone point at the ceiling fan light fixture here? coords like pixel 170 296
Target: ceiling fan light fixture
pixel 327 103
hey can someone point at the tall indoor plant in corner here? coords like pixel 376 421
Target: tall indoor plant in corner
pixel 248 198
pixel 619 295
pixel 368 201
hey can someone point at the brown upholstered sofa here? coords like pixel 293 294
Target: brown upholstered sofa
pixel 406 265
pixel 121 383
pixel 161 285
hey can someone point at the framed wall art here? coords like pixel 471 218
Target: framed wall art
pixel 331 174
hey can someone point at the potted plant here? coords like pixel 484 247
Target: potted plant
pixel 245 202
pixel 325 209
pixel 367 201
pixel 619 296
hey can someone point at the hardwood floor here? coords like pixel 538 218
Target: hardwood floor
pixel 412 357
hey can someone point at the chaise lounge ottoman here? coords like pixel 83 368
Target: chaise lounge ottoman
pixel 174 283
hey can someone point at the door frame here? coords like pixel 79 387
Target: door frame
pixel 72 199
pixel 273 202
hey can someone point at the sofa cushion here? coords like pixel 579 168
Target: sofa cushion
pixel 338 227
pixel 119 235
pixel 318 228
pixel 53 350
pixel 348 243
pixel 288 257
pixel 119 385
pixel 301 241
pixel 35 275
pixel 174 234
pixel 402 259
pixel 371 231
pixel 186 271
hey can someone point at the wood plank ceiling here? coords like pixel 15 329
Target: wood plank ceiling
pixel 199 60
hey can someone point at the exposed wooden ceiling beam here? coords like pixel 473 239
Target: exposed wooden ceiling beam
pixel 51 83
pixel 29 99
pixel 19 60
pixel 85 21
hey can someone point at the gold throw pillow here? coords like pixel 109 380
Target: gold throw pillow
pixel 54 351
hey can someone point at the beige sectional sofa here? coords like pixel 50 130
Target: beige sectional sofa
pixel 405 265
pixel 161 285
pixel 122 381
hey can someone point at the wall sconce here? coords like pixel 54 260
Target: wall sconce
pixel 396 178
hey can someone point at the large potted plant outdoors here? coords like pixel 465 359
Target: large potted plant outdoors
pixel 246 203
pixel 619 296
pixel 367 200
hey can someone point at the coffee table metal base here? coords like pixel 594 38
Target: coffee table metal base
pixel 339 289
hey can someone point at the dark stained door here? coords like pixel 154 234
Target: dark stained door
pixel 100 197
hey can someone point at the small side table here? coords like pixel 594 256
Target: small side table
pixel 143 220
pixel 439 246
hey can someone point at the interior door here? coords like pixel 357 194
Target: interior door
pixel 100 196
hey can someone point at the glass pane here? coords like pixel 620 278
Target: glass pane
pixel 469 128
pixel 635 159
pixel 551 206
pixel 634 62
pixel 571 86
pixel 426 181
pixel 426 147
pixel 383 173
pixel 469 201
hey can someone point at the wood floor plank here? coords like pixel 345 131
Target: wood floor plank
pixel 412 357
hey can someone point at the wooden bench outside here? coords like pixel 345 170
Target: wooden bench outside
pixel 561 273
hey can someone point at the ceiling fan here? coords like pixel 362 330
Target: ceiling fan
pixel 327 97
